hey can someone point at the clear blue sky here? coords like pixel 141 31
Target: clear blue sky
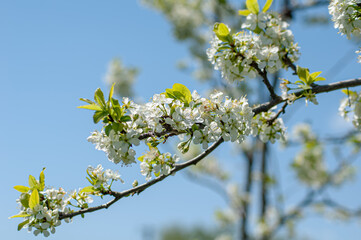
pixel 54 52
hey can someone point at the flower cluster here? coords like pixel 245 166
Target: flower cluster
pixel 44 216
pixel 176 112
pixel 268 127
pixel 40 207
pixel 155 162
pixel 352 103
pixel 347 16
pixel 116 146
pixel 101 178
pixel 264 44
pixel 197 119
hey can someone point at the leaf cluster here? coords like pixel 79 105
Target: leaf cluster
pixel 30 196
pixel 307 78
pixel 253 7
pixel 110 112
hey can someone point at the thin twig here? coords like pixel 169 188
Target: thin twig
pixel 265 80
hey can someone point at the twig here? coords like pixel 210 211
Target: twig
pixel 282 110
pixel 265 80
pixel 141 188
pixel 315 89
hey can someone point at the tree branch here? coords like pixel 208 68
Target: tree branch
pixel 141 188
pixel 316 89
pixel 177 167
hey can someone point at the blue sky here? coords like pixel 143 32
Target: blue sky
pixel 54 52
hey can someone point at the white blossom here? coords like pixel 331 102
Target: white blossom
pixel 265 45
pixel 346 15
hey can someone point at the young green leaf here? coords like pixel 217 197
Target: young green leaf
pixel 125 118
pixel 24 200
pixel 111 92
pixel 221 31
pixel 99 97
pixel 34 199
pixel 99 115
pixel 252 6
pixel 42 180
pixel 87 100
pixel 244 12
pixel 169 93
pixel 21 225
pixel 184 91
pixel 32 182
pixel 94 107
pixel 89 189
pixel 22 189
pixel 20 215
pixel 267 5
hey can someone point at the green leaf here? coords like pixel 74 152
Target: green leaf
pixel 107 129
pixel 87 100
pixel 99 97
pixel 315 74
pixel 252 6
pixel 115 102
pixel 22 189
pixel 42 180
pixel 319 79
pixel 24 200
pixel 141 158
pixel 125 118
pixel 34 199
pixel 98 115
pixel 94 107
pixel 222 32
pixel 244 12
pixel 267 5
pixel 21 225
pixel 177 87
pixel 179 92
pixel 303 74
pixel 89 189
pixel 32 182
pixel 169 93
pixel 20 215
pixel 111 92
